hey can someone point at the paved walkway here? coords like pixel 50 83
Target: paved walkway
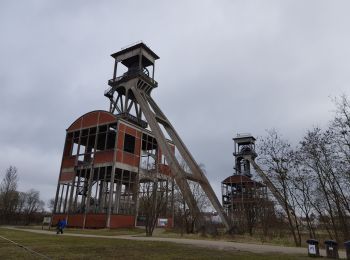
pixel 221 245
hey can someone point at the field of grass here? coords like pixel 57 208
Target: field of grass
pixel 66 247
pixel 256 239
pixel 101 232
pixel 283 239
pixel 173 233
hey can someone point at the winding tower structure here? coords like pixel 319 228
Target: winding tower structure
pixel 109 155
pixel 241 195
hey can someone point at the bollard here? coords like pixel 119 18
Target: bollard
pixel 331 249
pixel 313 248
pixel 347 249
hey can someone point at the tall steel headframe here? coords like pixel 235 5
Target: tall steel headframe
pixel 130 98
pixel 245 156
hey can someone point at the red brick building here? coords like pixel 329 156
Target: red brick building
pixel 100 146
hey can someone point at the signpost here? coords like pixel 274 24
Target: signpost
pixel 46 220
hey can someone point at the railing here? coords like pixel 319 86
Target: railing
pixel 133 119
pixel 130 74
pixel 132 44
pixel 244 135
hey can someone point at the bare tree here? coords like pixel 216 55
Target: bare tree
pixel 314 179
pixel 320 156
pixel 8 194
pixel 303 195
pixel 21 202
pixel 267 216
pixel 251 214
pixel 152 201
pixel 277 156
pixel 184 218
pixel 341 128
pixel 51 204
pixel 16 206
pixel 32 204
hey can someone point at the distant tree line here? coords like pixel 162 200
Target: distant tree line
pixel 314 176
pixel 18 207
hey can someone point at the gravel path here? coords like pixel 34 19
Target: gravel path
pixel 221 245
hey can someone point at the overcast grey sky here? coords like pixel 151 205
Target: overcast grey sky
pixel 225 67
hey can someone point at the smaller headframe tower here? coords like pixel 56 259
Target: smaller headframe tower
pixel 241 195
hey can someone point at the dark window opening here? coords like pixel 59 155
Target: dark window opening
pixel 101 141
pixel 85 132
pixel 129 143
pixel 108 173
pixel 91 142
pixel 93 130
pixel 105 134
pixel 83 142
pixel 148 142
pixel 68 145
pixel 113 127
pixel 102 128
pixel 110 140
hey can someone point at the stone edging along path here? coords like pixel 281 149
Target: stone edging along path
pixel 221 245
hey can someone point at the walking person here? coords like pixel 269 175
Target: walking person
pixel 61 225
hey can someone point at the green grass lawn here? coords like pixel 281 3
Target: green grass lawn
pixel 101 231
pixel 279 240
pixel 65 247
pixel 285 241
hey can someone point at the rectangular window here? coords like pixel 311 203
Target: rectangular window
pixel 85 132
pixel 110 140
pixel 111 135
pixel 102 128
pixel 68 145
pixel 83 144
pixel 76 134
pixel 129 143
pixel 91 142
pixel 75 147
pixel 101 141
pixel 93 130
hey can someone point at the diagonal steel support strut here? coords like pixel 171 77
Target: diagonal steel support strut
pixel 154 119
pixel 192 164
pixel 275 192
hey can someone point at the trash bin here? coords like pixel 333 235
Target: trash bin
pixel 347 249
pixel 313 248
pixel 331 249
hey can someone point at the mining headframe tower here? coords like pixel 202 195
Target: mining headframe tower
pixel 240 193
pixel 109 155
